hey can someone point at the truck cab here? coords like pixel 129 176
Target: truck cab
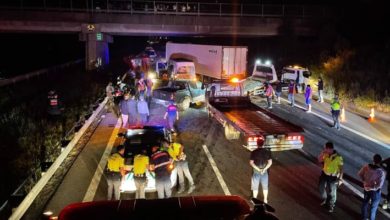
pixel 298 74
pixel 181 69
pixel 264 71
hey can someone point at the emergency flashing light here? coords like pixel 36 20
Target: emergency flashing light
pixel 234 80
pixel 258 61
pixel 268 62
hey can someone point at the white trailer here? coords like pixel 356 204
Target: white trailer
pixel 211 61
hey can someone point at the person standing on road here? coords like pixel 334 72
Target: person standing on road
pixel 308 94
pixel 161 164
pixel 125 111
pixel 331 175
pixel 269 92
pixel 149 90
pixel 114 172
pixel 335 110
pixel 386 165
pixel 143 110
pixel 373 177
pixel 291 93
pixel 320 86
pixel 260 161
pixel 176 151
pixel 172 114
pixel 278 91
pixel 141 165
pixel 133 110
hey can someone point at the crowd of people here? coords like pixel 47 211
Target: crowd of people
pixel 135 106
pixel 293 89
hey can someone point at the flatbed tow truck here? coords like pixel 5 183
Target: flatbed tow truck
pixel 230 105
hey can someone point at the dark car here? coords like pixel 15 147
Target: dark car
pixel 137 140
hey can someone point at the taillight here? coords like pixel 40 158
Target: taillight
pixel 255 139
pixel 295 138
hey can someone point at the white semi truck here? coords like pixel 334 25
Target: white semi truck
pixel 206 61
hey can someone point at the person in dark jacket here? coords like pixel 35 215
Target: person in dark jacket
pixel 386 165
pixel 320 86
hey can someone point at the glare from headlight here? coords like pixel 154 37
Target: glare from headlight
pixel 152 75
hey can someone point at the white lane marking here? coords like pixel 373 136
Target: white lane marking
pixel 216 171
pixel 90 194
pixel 31 196
pixel 345 127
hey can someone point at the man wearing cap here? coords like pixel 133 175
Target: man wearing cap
pixel 260 161
pixel 114 172
pixel 161 164
pixel 141 165
pixel 331 176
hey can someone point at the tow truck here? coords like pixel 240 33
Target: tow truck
pixel 230 105
pixel 136 140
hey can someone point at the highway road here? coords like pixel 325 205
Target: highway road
pixel 293 176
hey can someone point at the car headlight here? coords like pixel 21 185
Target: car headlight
pixel 152 75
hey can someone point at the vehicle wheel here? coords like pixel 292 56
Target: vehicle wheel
pixel 185 104
pixel 231 133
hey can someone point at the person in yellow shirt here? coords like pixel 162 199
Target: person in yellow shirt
pixel 176 151
pixel 114 172
pixel 140 166
pixel 331 176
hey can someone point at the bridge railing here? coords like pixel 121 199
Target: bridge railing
pixel 170 8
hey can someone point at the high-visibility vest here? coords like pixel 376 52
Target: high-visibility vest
pixel 335 105
pixel 53 100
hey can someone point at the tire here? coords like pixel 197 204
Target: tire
pixel 185 104
pixel 231 133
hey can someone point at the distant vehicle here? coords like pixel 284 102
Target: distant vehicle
pixel 230 105
pixel 264 71
pixel 136 140
pixel 298 74
pixel 210 61
pixel 191 208
pixel 182 92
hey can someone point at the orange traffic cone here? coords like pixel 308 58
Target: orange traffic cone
pixel 342 116
pixel 372 115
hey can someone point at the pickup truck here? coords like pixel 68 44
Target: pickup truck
pixel 182 92
pixel 230 105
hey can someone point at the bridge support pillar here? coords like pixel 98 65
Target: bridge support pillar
pixel 96 49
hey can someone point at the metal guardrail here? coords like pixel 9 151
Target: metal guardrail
pixel 4 82
pixel 170 8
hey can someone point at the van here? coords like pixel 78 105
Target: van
pixel 264 72
pixel 298 74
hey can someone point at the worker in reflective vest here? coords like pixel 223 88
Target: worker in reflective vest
pixel 335 110
pixel 53 102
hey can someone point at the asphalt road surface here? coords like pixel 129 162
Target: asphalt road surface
pixel 293 175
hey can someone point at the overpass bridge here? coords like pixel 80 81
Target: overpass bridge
pixel 97 21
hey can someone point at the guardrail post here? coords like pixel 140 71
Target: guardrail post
pixel 71 5
pixel 282 10
pixel 198 8
pixel 241 9
pixel 303 11
pixel 220 9
pixel 131 7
